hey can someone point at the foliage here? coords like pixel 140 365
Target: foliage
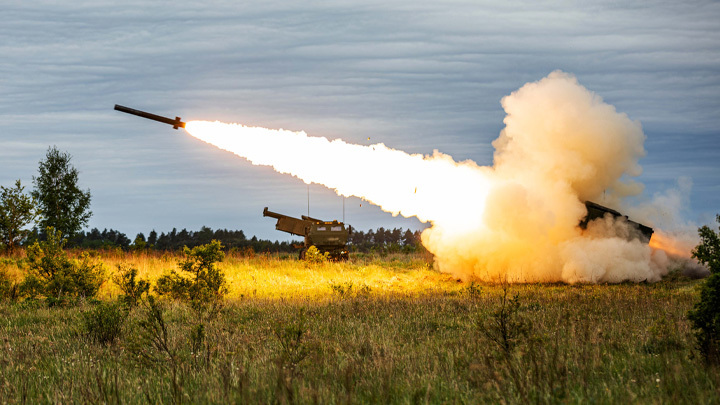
pixel 103 324
pixel 705 316
pixel 506 326
pixel 152 345
pixel 473 291
pixel 52 274
pixel 203 282
pixel 139 243
pixel 94 239
pixel 132 288
pixel 708 251
pixel 294 348
pixel 8 288
pixel 413 340
pixel 314 255
pixel 17 210
pixel 63 205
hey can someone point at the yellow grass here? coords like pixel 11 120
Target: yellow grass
pixel 282 276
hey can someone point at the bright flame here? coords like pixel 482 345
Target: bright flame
pixel 674 246
pixel 517 220
pixel 400 183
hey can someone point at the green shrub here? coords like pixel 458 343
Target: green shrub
pixel 8 288
pixel 103 324
pixel 314 255
pixel 705 316
pixel 294 348
pixel 52 274
pixel 342 290
pixel 151 344
pixel 204 282
pixel 506 326
pixel 132 288
pixel 708 251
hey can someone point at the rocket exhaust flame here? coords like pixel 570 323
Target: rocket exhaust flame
pixel 517 220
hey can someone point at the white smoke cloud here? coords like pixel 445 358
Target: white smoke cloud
pixel 561 145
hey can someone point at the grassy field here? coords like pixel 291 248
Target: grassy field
pixel 374 330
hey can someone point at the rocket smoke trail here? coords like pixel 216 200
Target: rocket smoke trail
pixel 517 220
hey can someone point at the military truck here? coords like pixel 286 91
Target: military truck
pixel 595 211
pixel 326 236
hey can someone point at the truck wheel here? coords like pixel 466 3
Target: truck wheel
pixel 301 255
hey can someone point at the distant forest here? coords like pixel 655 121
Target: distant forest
pixel 379 240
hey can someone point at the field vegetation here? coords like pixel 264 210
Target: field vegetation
pixel 372 330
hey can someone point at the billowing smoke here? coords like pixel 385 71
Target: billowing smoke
pixel 518 220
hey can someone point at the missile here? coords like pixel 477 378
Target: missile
pixel 176 123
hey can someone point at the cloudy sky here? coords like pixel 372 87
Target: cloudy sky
pixel 414 75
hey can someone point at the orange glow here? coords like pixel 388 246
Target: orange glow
pixel 670 245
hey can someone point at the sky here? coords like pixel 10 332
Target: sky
pixel 415 75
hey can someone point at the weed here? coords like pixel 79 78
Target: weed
pixel 152 343
pixel 103 324
pixel 342 290
pixel 52 274
pixel 293 350
pixel 197 338
pixel 473 291
pixel 663 336
pixel 506 325
pixel 705 318
pixel 9 289
pixel 132 288
pixel 205 283
pixel 314 255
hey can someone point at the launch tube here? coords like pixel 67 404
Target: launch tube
pixel 176 123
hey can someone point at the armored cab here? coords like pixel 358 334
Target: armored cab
pixel 595 211
pixel 326 236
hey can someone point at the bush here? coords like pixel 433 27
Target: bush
pixel 705 316
pixel 314 255
pixel 8 288
pixel 132 288
pixel 708 251
pixel 506 326
pixel 204 281
pixel 52 274
pixel 103 324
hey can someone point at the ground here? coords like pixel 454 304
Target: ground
pixel 373 330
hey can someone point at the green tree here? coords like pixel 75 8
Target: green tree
pixel 708 251
pixel 705 316
pixel 17 210
pixel 63 205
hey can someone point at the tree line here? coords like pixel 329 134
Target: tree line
pixel 57 204
pixel 379 240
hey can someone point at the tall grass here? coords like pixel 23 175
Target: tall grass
pixel 372 330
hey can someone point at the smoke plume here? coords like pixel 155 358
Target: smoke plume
pixel 517 220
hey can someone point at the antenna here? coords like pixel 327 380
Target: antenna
pixel 343 209
pixel 308 193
